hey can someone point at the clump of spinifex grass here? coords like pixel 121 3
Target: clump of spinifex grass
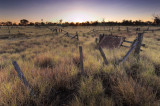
pixel 46 61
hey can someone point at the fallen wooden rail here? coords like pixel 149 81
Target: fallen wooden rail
pixel 21 76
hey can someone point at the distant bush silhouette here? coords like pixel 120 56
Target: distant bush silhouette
pixel 24 22
pixel 157 20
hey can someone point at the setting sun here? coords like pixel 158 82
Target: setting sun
pixel 79 16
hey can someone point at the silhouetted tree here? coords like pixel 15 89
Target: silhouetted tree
pixel 24 22
pixel 14 24
pixel 157 20
pixel 127 22
pixel 8 23
pixel 95 23
pixel 31 24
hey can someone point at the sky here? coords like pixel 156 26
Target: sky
pixel 78 10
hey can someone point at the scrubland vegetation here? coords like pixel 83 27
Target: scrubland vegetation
pixel 50 62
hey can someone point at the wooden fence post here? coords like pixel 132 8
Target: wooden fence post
pixel 81 59
pixel 9 31
pixel 56 30
pixel 21 76
pixel 77 35
pixel 119 28
pixel 96 40
pixel 111 33
pixel 127 29
pixel 138 47
pixel 103 55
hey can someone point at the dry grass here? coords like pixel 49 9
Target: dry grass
pixel 51 63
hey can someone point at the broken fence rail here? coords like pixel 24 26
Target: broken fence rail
pixel 128 53
pixel 21 76
pixel 135 45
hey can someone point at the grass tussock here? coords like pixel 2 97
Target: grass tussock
pixel 45 61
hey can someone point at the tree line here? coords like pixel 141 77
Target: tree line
pixel 25 22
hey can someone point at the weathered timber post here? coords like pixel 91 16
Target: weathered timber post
pixel 119 28
pixel 81 59
pixel 96 40
pixel 18 32
pixel 138 47
pixel 9 31
pixel 21 76
pixel 77 36
pixel 127 29
pixel 101 37
pixel 109 29
pixel 56 30
pixel 111 33
pixel 103 55
pixel 67 34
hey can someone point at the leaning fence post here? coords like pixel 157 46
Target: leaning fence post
pixel 81 59
pixel 21 76
pixel 138 47
pixel 103 55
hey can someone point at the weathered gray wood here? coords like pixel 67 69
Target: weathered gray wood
pixel 125 46
pixel 9 31
pixel 67 34
pixel 21 76
pixel 133 42
pixel 129 52
pixel 81 59
pixel 56 30
pixel 119 28
pixel 77 36
pixel 96 40
pixel 127 41
pixel 103 55
pixel 138 47
pixel 127 29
